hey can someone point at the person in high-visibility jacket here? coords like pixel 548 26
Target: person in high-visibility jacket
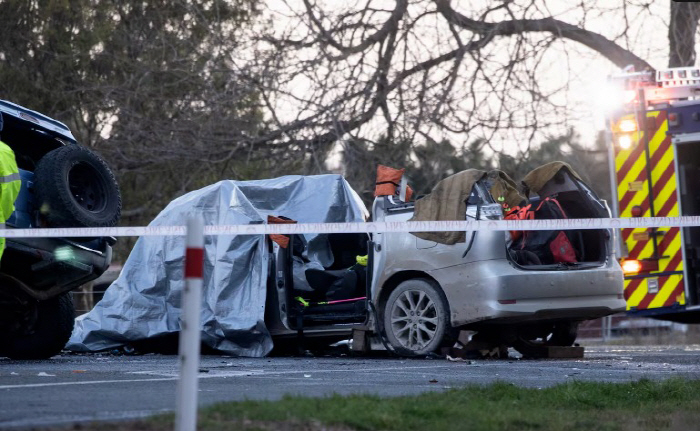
pixel 10 184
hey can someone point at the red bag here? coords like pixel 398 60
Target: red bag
pixel 518 213
pixel 562 250
pixel 550 246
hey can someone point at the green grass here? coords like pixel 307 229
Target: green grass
pixel 638 406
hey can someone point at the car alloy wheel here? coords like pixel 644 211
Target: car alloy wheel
pixel 415 317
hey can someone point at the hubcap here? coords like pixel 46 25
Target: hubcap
pixel 414 319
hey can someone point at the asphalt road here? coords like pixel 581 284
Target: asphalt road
pixel 75 388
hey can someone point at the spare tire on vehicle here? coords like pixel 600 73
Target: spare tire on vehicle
pixel 75 188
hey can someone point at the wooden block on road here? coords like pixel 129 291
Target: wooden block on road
pixel 563 352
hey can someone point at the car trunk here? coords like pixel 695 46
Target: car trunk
pixel 563 195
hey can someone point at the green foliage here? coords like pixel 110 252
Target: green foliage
pixel 152 86
pixel 127 75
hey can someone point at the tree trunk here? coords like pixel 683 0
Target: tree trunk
pixel 681 33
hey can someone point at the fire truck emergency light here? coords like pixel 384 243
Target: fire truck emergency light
pixel 631 266
pixel 627 125
pixel 629 96
pixel 624 141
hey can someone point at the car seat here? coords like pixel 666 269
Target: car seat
pixel 333 284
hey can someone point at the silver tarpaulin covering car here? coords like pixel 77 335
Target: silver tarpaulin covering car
pixel 144 302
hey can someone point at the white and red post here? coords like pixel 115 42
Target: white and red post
pixel 186 397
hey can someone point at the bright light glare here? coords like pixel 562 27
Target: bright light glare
pixel 631 266
pixel 625 142
pixel 629 96
pixel 628 125
pixel 608 96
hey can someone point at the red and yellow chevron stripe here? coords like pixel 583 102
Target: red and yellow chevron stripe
pixel 632 173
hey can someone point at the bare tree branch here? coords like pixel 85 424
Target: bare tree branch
pixel 607 48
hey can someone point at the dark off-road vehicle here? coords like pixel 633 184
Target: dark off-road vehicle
pixel 63 185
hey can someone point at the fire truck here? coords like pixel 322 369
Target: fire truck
pixel 655 172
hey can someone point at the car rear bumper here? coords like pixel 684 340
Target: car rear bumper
pixel 50 266
pixel 498 292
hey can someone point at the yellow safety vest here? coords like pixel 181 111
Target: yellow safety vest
pixel 10 184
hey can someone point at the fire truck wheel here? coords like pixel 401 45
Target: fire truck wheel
pixel 47 336
pixel 416 317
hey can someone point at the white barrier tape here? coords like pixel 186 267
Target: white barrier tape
pixel 370 227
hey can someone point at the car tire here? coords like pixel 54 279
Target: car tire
pixel 75 188
pixel 416 318
pixel 52 329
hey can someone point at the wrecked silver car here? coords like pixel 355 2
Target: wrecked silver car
pixel 421 288
pixel 410 292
